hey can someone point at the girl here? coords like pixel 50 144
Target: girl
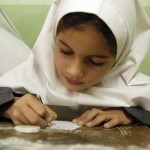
pixel 84 66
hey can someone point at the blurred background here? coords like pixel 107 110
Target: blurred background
pixel 28 16
pixel 25 1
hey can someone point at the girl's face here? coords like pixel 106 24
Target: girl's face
pixel 82 57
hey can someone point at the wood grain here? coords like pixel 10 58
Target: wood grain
pixel 121 137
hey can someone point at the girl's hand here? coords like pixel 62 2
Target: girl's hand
pixel 29 110
pixel 111 117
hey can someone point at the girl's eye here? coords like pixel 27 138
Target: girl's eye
pixel 96 63
pixel 66 52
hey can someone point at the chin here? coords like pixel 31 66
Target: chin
pixel 75 89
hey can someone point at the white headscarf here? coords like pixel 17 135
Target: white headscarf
pixel 122 86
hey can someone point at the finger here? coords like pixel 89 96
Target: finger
pixel 18 116
pixel 113 122
pixel 96 121
pixel 40 114
pixel 33 118
pixel 88 116
pixel 78 120
pixel 16 122
pixel 37 106
pixel 51 115
pixel 28 110
pixel 84 114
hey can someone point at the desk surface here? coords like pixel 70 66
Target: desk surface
pixel 97 138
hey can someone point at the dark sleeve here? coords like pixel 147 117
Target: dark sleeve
pixel 6 95
pixel 140 115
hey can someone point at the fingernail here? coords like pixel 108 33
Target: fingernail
pixel 88 124
pixel 106 125
pixel 49 118
pixel 80 123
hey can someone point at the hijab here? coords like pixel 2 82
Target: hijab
pixel 123 86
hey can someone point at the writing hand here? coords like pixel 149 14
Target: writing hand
pixel 28 110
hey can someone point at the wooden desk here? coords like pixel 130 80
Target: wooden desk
pixel 97 138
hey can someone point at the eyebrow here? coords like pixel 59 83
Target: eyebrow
pixel 99 56
pixel 65 44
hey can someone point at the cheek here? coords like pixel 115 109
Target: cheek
pixel 97 75
pixel 60 62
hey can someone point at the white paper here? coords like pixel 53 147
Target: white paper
pixel 63 125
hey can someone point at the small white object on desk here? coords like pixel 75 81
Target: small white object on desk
pixel 63 125
pixel 27 128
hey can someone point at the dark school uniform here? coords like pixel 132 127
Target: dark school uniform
pixel 6 95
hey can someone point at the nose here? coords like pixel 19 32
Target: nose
pixel 76 70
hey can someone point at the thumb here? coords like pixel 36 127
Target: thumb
pixel 51 115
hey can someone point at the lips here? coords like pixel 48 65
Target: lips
pixel 73 82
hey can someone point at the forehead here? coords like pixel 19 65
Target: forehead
pixel 84 38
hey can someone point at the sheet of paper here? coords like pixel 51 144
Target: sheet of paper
pixel 63 125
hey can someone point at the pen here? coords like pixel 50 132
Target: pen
pixel 39 98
